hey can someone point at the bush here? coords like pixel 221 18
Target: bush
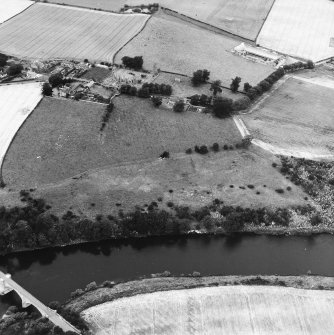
pixel 241 104
pixel 179 106
pixel 56 79
pixel 157 101
pixel 274 165
pixel 279 190
pixel 47 89
pixel 250 186
pixel 14 69
pixel 235 84
pixel 222 107
pixel 3 60
pixel 170 204
pixel 247 87
pixel 200 77
pixel 215 147
pixel 189 151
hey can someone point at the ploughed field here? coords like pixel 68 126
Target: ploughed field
pixel 217 310
pixel 17 101
pixel 243 18
pixel 297 117
pixel 62 138
pixel 174 45
pixel 301 28
pixel 52 31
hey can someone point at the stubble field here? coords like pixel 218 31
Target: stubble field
pixel 16 103
pixel 217 310
pixel 52 31
pixel 243 18
pixel 178 46
pixel 297 117
pixel 300 28
pixel 10 8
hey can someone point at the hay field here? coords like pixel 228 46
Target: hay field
pixel 52 31
pixel 243 18
pixel 217 310
pixel 178 46
pixel 67 139
pixel 10 8
pixel 300 28
pixel 298 117
pixel 17 101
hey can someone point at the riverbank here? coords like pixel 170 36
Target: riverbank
pixel 102 294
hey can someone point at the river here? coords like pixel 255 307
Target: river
pixel 52 274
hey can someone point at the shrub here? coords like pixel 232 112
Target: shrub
pixel 215 147
pixel 289 188
pixel 316 219
pixel 3 60
pixel 225 147
pixel 170 204
pixel 241 104
pixel 14 69
pixel 250 186
pixel 157 101
pixel 279 190
pixel 247 87
pixel 222 107
pixel 235 84
pixel 91 286
pixel 179 106
pixel 274 165
pixel 56 79
pixel 189 151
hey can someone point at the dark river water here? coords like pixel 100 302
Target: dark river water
pixel 53 274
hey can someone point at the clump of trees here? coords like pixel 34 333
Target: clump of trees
pixel 146 90
pixel 157 101
pixel 135 63
pixel 47 89
pixel 106 115
pixel 200 77
pixel 200 100
pixel 56 80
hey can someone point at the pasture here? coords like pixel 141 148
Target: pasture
pixel 174 45
pixel 10 8
pixel 17 101
pixel 300 28
pixel 296 117
pixel 67 140
pixel 51 31
pixel 243 18
pixel 217 310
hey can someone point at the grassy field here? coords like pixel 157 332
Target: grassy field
pixel 241 17
pixel 67 140
pixel 50 31
pixel 178 46
pixel 300 28
pixel 17 101
pixel 98 74
pixel 297 116
pixel 217 310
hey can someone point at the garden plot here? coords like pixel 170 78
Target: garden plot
pixel 52 31
pixel 296 118
pixel 16 103
pixel 10 8
pixel 174 45
pixel 300 28
pixel 217 310
pixel 242 17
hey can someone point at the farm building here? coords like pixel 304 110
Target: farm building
pixel 258 54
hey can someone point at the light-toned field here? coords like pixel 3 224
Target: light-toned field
pixel 67 139
pixel 178 46
pixel 297 117
pixel 16 103
pixel 52 31
pixel 243 18
pixel 217 310
pixel 10 8
pixel 300 28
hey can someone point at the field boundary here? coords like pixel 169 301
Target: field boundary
pixel 141 29
pixel 265 19
pixel 206 26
